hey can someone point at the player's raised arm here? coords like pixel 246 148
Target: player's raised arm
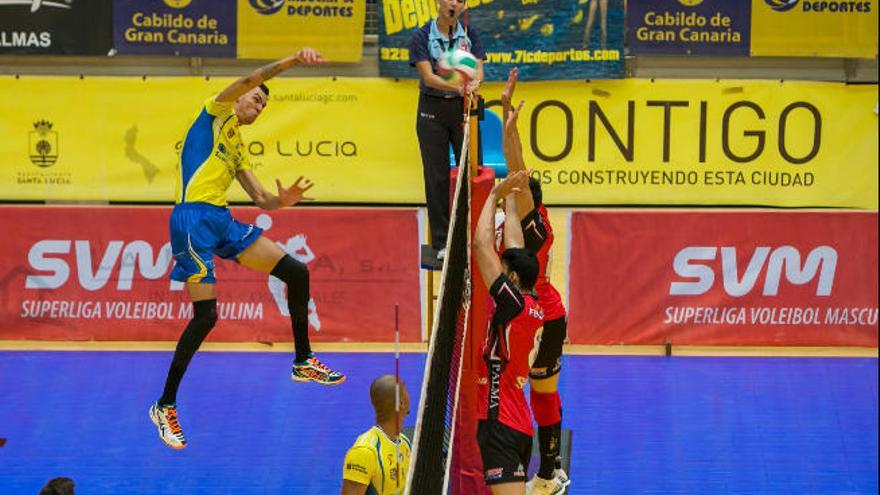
pixel 513 234
pixel 514 157
pixel 484 235
pixel 287 196
pixel 513 149
pixel 507 95
pixel 306 56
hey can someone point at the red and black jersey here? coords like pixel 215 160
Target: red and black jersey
pixel 510 347
pixel 538 237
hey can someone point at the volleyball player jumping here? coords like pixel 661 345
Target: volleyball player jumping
pixel 213 154
pixel 505 430
pixel 544 376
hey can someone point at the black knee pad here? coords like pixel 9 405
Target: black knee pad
pixel 204 319
pixel 205 312
pixel 292 272
pixel 549 362
pixel 296 276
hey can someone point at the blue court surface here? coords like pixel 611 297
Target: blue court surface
pixel 655 425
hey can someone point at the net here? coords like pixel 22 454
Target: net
pixel 435 426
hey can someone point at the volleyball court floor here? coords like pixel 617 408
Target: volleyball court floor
pixel 641 424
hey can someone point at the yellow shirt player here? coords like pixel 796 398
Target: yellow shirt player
pixel 213 154
pixel 201 228
pixel 378 461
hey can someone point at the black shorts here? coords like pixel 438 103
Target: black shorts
pixel 505 452
pixel 549 359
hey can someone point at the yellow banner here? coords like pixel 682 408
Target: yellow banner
pixel 684 142
pixel 275 29
pixel 117 139
pixel 670 142
pixel 814 28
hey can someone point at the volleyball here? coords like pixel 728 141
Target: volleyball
pixel 457 66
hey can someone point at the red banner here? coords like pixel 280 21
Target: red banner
pixel 724 278
pixel 82 273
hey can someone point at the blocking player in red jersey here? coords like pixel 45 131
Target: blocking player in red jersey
pixel 505 431
pixel 544 376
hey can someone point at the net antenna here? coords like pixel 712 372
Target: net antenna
pixel 397 394
pixel 438 403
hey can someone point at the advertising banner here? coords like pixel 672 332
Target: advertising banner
pixel 814 28
pixel 754 278
pixel 335 132
pixel 277 28
pixel 687 142
pixel 707 27
pixel 69 27
pixel 669 142
pixel 102 274
pixel 553 39
pixel 203 28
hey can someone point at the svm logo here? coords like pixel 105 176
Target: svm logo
pixel 267 7
pixel 781 5
pixel 49 257
pixel 692 262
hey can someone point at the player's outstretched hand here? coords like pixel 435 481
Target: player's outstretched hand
pixel 515 182
pixel 510 87
pixel 308 56
pixel 289 196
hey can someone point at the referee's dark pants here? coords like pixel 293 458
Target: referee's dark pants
pixel 438 125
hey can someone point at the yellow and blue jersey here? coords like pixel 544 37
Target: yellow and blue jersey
pixel 371 461
pixel 212 153
pixel 201 225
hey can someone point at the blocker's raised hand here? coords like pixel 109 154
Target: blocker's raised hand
pixel 515 182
